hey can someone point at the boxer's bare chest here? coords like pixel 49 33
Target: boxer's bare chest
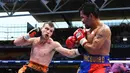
pixel 42 48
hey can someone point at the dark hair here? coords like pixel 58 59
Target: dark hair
pixel 88 8
pixel 50 23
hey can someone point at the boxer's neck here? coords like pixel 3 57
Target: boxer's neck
pixel 43 41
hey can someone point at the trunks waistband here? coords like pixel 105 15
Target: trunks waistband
pixel 38 67
pixel 96 58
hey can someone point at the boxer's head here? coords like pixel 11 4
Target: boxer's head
pixel 47 29
pixel 87 12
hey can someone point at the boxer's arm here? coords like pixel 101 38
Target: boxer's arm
pixel 66 51
pixel 20 41
pixel 98 40
pixel 27 39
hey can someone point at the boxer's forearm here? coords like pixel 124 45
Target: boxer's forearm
pixel 68 52
pixel 73 53
pixel 20 41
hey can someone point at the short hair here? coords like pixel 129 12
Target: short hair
pixel 88 8
pixel 50 23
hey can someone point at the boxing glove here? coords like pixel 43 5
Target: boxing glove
pixel 80 36
pixel 70 42
pixel 36 32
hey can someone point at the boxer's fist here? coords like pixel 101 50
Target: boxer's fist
pixel 80 36
pixel 70 42
pixel 36 32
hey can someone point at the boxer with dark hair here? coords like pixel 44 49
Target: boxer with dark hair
pixel 95 39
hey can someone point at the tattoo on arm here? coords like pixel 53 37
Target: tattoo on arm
pixel 101 34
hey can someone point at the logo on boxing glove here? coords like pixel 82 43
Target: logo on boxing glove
pixel 78 34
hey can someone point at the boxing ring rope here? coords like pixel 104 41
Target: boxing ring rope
pixel 16 64
pixel 58 61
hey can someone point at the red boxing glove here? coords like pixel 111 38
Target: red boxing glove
pixel 70 42
pixel 80 36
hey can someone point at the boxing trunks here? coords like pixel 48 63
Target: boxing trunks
pixel 33 67
pixel 95 64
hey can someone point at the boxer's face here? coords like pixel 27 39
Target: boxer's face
pixel 47 31
pixel 85 19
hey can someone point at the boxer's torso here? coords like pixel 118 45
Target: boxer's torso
pixel 105 48
pixel 42 53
